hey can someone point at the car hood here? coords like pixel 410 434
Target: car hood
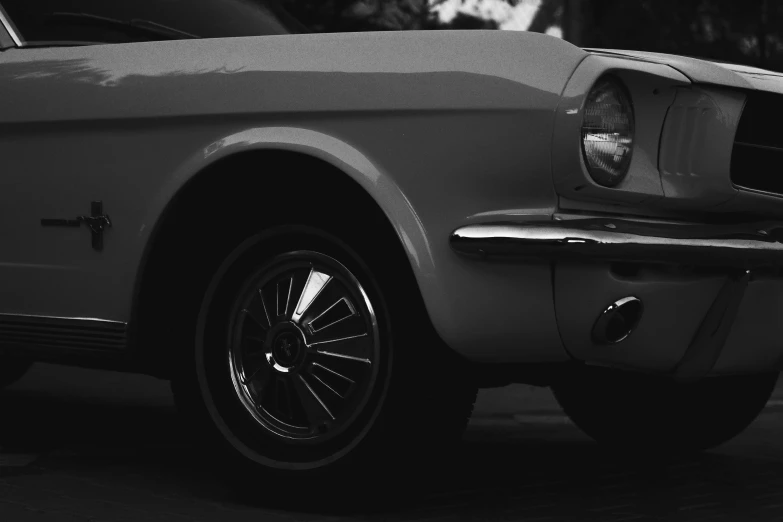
pixel 700 70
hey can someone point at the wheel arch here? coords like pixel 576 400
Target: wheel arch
pixel 228 170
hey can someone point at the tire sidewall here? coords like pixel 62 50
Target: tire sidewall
pixel 625 410
pixel 227 415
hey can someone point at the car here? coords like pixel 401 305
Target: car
pixel 329 242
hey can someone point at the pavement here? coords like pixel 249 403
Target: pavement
pixel 83 445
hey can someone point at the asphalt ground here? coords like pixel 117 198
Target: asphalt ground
pixel 85 445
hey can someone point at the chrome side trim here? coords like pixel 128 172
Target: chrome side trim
pixel 63 332
pixel 57 317
pixel 608 239
pixel 10 27
pixel 757 191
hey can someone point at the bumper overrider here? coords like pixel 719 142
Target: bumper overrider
pixel 741 250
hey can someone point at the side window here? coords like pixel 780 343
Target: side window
pixel 81 21
pixel 119 21
pixel 8 33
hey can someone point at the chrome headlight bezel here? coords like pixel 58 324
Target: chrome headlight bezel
pixel 610 167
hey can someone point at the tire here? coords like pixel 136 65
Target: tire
pixel 12 369
pixel 274 400
pixel 631 412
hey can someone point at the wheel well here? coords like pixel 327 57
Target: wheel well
pixel 219 208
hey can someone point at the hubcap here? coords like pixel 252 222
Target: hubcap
pixel 286 349
pixel 304 347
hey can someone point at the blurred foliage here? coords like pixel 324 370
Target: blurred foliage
pixel 748 31
pixel 379 15
pixel 743 31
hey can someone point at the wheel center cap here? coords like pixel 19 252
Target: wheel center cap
pixel 286 349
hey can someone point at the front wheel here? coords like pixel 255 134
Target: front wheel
pixel 312 359
pixel 640 412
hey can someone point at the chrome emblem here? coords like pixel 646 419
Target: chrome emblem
pixel 97 221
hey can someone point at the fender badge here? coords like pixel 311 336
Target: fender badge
pixel 97 221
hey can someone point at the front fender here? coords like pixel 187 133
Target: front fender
pixel 336 152
pixel 469 304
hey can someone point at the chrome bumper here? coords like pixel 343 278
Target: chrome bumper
pixel 745 246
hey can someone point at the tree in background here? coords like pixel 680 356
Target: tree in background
pixel 385 15
pixel 382 15
pixel 748 31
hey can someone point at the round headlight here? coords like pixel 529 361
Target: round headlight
pixel 607 132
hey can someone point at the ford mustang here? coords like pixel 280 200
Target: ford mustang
pixel 329 242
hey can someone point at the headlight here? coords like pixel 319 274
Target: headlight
pixel 607 132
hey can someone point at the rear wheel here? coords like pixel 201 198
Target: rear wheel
pixel 314 358
pixel 12 369
pixel 652 414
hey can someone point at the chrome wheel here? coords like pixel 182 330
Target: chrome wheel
pixel 303 348
pixel 299 371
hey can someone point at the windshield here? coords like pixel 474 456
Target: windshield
pixel 106 21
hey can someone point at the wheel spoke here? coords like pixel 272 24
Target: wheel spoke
pixel 251 329
pixel 283 397
pixel 264 385
pixel 334 372
pixel 254 368
pixel 263 304
pixel 315 408
pixel 249 378
pixel 346 357
pixel 283 293
pixel 316 282
pixel 256 314
pixel 331 379
pixel 338 340
pixel 341 310
pixel 328 387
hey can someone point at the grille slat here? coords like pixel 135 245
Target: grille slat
pixel 757 155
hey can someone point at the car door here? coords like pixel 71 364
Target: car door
pixel 48 192
pixel 67 158
pixel 83 152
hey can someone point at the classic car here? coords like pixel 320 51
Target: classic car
pixel 329 242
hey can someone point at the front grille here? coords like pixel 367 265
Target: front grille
pixel 757 156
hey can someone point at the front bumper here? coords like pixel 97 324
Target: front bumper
pixel 607 239
pixel 694 323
